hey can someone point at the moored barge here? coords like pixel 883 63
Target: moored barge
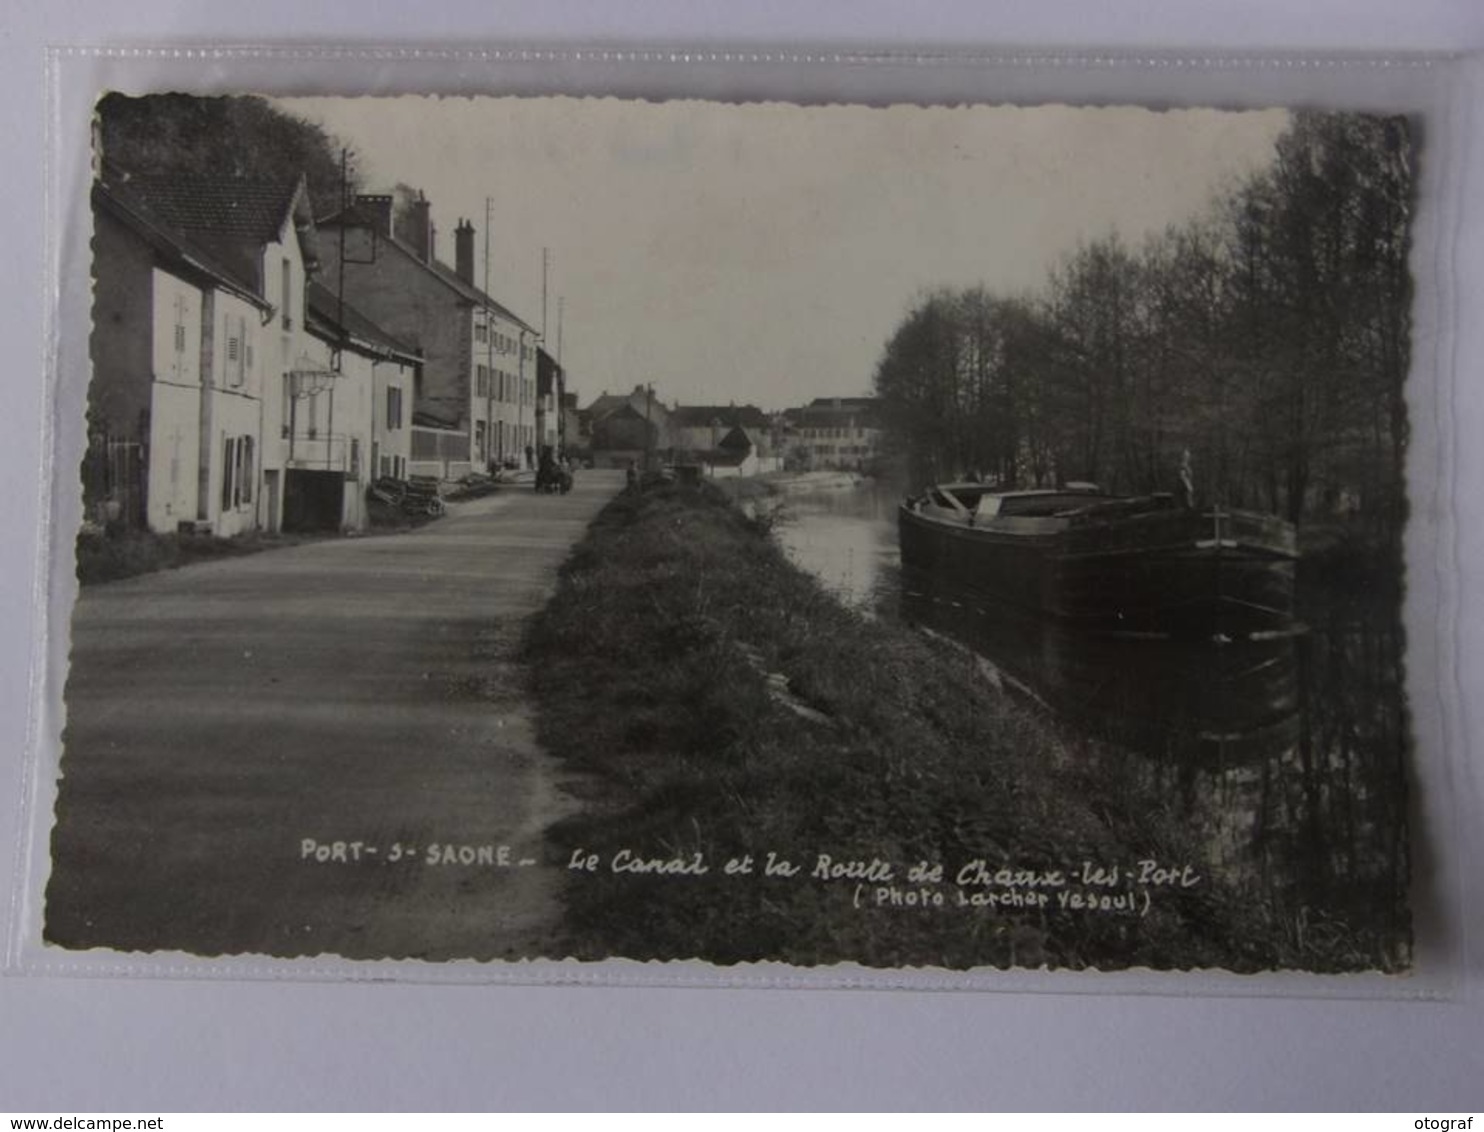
pixel 1134 565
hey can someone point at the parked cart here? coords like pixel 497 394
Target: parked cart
pixel 416 496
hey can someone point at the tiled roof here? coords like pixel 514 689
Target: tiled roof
pixel 358 216
pixel 731 416
pixel 835 412
pixel 474 294
pixel 624 409
pixel 735 441
pixel 845 404
pixel 229 207
pixel 606 404
pixel 613 402
pixel 833 418
pixel 178 249
pixel 328 309
pixel 232 217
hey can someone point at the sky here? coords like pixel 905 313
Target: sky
pixel 764 253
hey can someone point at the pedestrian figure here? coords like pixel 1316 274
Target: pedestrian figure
pixel 633 476
pixel 1187 481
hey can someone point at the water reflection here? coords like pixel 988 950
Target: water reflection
pixel 1286 757
pixel 1169 699
pixel 847 538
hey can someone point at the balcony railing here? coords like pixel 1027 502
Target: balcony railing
pixel 315 450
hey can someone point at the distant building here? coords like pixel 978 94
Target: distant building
pixel 629 426
pixel 701 428
pixel 833 433
pixel 735 456
pixel 551 388
pixel 575 438
pixel 479 364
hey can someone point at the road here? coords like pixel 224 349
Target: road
pixel 358 690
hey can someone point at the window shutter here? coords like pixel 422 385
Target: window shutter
pixel 236 350
pixel 180 335
pixel 229 447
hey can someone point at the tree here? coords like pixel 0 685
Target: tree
pixel 1322 295
pixel 1270 338
pixel 236 135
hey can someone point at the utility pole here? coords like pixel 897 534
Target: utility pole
pixel 545 268
pixel 340 259
pixel 489 347
pixel 648 428
pixel 559 381
pixel 520 397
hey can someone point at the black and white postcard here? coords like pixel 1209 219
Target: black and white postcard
pixel 950 537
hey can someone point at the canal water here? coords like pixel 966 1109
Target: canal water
pixel 1288 756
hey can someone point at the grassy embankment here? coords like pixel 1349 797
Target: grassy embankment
pixel 651 671
pixel 126 553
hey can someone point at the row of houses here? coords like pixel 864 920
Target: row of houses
pixel 256 369
pixel 489 394
pixel 836 433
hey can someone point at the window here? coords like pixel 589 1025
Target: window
pixel 393 408
pixel 287 293
pixel 481 332
pixel 178 334
pixel 482 381
pixel 229 460
pixel 237 471
pixel 236 367
pixel 247 469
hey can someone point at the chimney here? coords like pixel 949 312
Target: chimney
pixel 420 227
pixel 378 207
pixel 463 251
